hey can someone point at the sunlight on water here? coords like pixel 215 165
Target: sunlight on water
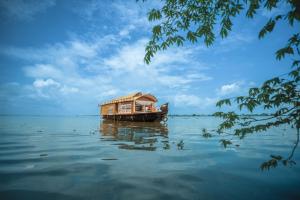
pixel 87 158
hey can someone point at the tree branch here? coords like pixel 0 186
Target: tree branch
pixel 295 146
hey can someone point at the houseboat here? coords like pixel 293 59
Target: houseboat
pixel 134 107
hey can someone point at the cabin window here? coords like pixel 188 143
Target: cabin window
pixel 138 107
pixel 125 108
pixel 143 106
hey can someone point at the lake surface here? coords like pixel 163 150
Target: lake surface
pixel 87 158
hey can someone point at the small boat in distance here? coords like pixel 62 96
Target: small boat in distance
pixel 137 107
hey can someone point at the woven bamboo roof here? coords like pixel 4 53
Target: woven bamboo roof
pixel 130 97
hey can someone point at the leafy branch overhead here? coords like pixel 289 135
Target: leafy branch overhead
pixel 180 21
pixel 279 94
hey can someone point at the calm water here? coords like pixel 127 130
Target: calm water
pixel 86 158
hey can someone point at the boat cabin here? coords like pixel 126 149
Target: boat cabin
pixel 130 104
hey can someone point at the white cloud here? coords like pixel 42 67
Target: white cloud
pixel 237 39
pixel 77 69
pixel 128 58
pixel 126 30
pixel 65 63
pixel 182 100
pixel 129 16
pixel 87 70
pixel 74 50
pixel 199 77
pixel 67 90
pixel 187 100
pixel 229 88
pixel 24 10
pixel 83 49
pixel 161 71
pixel 87 9
pixel 40 83
pixel 134 13
pixel 43 71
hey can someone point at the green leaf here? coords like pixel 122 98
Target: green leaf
pixel 164 45
pixel 253 91
pixel 267 28
pixel 225 143
pixel 283 51
pixel 226 27
pixel 294 73
pixel 148 56
pixel 270 4
pixel 269 164
pixel 156 30
pixel 154 15
pixel 223 102
pixel 292 16
pixel 191 36
pixel 254 5
pixel 179 40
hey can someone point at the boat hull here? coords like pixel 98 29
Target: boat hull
pixel 138 117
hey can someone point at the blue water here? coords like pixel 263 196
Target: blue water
pixel 87 158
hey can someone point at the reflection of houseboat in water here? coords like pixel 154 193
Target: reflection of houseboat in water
pixel 135 135
pixel 134 107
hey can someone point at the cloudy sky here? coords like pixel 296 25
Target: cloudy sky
pixel 65 57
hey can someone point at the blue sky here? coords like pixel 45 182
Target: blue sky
pixel 66 57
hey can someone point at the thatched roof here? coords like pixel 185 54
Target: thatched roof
pixel 131 97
